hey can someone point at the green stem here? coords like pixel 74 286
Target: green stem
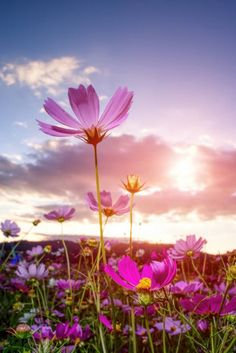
pixel 131 225
pixel 67 259
pixel 134 342
pixel 148 331
pixel 199 274
pixel 212 339
pixel 99 205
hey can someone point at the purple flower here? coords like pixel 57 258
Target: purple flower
pixel 173 327
pixel 10 228
pixel 119 208
pixel 27 272
pixel 42 332
pixel 151 278
pixel 212 305
pixel 190 247
pixel 35 251
pixel 202 325
pixel 183 287
pixel 61 214
pixel 65 284
pixel 87 125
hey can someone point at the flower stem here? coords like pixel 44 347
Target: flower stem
pixel 131 225
pixel 133 330
pixel 199 274
pixel 148 331
pixel 67 258
pixel 99 205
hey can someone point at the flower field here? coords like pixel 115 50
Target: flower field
pixel 97 299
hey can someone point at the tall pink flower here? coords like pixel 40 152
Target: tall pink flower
pixel 108 208
pixel 87 125
pixel 151 278
pixel 190 247
pixel 61 214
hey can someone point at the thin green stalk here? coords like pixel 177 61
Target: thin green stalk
pixel 67 258
pixel 134 342
pixel 212 338
pixel 164 336
pixel 199 274
pixel 99 205
pixel 230 346
pixel 148 331
pixel 131 225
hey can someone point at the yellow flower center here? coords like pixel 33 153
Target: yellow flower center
pixel 189 253
pixel 61 219
pixel 144 284
pixel 118 327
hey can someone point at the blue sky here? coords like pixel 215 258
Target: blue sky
pixel 177 56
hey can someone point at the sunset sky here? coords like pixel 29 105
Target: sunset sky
pixel 179 59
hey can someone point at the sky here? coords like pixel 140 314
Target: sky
pixel 180 137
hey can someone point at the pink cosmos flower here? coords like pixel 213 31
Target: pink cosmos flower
pixel 203 305
pixel 87 125
pixel 190 247
pixel 119 208
pixel 152 277
pixel 61 214
pixel 27 271
pixel 10 228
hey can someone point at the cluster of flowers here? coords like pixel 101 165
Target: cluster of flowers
pixel 171 295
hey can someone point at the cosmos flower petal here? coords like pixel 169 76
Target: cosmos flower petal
pixel 128 269
pixel 93 205
pixel 106 199
pixel 85 104
pixel 110 271
pixel 116 109
pixel 59 114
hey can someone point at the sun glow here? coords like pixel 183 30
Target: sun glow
pixel 185 172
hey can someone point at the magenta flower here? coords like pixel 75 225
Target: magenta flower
pixel 190 247
pixel 10 228
pixel 74 332
pixel 27 272
pixel 214 305
pixel 119 208
pixel 150 278
pixel 87 125
pixel 61 215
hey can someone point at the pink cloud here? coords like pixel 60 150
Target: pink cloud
pixel 67 171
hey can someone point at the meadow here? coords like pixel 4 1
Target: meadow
pixel 100 297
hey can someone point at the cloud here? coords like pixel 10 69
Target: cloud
pixel 50 76
pixel 59 171
pixel 21 124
